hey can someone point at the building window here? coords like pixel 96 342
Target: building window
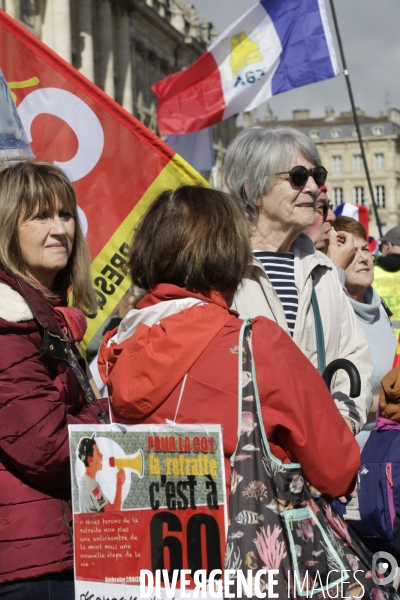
pixel 314 134
pixel 380 195
pixel 377 130
pixel 379 163
pixel 337 164
pixel 338 196
pixel 354 132
pixel 359 195
pixel 357 163
pixel 336 133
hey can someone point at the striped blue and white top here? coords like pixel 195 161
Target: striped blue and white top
pixel 279 267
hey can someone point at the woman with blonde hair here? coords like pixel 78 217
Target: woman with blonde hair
pixel 44 261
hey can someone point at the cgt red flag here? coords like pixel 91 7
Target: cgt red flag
pixel 117 165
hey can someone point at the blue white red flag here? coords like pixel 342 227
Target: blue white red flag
pixel 373 245
pixel 354 211
pixel 276 46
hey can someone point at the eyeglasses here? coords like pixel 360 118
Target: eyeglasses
pixel 325 208
pixel 299 175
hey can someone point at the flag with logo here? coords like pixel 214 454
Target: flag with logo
pixel 276 46
pixel 116 164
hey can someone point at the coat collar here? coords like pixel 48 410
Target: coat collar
pixel 34 299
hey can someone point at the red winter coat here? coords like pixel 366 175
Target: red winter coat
pixel 301 420
pixel 39 398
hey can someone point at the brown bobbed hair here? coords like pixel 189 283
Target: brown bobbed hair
pixel 193 237
pixel 350 225
pixel 27 188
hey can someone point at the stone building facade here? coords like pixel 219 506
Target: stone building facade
pixel 124 46
pixel 337 142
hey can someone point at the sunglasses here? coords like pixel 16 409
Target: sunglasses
pixel 325 208
pixel 299 175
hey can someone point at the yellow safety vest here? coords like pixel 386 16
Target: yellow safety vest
pixel 387 284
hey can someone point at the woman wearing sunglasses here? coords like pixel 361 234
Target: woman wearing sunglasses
pixel 277 174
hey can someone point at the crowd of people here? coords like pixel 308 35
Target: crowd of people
pixel 271 250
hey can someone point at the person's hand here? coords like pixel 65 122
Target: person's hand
pixel 343 499
pixel 121 477
pixel 341 249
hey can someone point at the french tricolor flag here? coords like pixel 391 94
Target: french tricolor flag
pixel 276 46
pixel 354 211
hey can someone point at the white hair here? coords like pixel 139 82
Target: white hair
pixel 256 155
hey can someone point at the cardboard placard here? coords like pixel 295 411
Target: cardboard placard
pixel 145 497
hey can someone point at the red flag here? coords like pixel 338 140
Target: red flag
pixel 117 165
pixel 396 361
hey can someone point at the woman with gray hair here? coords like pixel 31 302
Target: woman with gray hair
pixel 276 174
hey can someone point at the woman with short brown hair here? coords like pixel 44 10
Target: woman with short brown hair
pixel 194 237
pixel 176 356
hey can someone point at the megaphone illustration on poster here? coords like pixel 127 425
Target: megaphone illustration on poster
pixel 135 462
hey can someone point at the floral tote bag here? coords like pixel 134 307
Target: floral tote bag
pixel 277 520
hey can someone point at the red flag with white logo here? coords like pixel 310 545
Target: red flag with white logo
pixel 116 164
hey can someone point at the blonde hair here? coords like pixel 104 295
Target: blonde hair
pixel 26 188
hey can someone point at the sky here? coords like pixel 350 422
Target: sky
pixel 370 32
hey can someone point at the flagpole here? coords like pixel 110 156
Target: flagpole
pixel 355 117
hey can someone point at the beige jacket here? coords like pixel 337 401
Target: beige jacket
pixel 342 333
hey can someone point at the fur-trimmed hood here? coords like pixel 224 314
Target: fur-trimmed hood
pixel 13 307
pixel 24 306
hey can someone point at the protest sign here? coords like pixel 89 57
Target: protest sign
pixel 145 497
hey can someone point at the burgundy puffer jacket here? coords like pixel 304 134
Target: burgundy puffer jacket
pixel 39 398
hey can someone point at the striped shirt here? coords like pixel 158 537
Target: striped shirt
pixel 279 267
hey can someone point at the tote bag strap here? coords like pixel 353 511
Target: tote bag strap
pixel 321 357
pixel 247 377
pixel 246 327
